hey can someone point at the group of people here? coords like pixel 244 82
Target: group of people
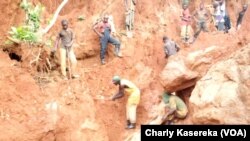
pixel 66 37
pixel 202 16
pixel 104 29
pixel 175 106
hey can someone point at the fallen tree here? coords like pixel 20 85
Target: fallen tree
pixel 30 35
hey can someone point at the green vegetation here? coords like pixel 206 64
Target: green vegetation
pixel 23 33
pixel 81 18
pixel 29 31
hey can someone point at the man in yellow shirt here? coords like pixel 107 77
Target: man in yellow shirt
pixel 125 86
pixel 175 106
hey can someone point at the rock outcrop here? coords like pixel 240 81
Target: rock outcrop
pixel 183 70
pixel 222 96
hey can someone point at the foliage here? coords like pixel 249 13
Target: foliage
pixel 23 33
pixel 81 18
pixel 33 14
pixel 25 5
pixel 28 31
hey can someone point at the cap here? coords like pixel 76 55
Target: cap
pixel 165 97
pixel 116 78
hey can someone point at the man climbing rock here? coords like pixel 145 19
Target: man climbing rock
pixel 170 47
pixel 133 100
pixel 201 16
pixel 185 24
pixel 103 30
pixel 240 17
pixel 66 37
pixel 130 14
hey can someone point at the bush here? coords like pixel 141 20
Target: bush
pixel 28 31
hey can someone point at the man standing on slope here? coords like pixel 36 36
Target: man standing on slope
pixel 133 99
pixel 185 24
pixel 66 50
pixel 103 30
pixel 130 14
pixel 201 16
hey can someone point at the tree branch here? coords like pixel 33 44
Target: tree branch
pixel 64 2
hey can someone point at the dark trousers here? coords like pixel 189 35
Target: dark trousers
pixel 104 40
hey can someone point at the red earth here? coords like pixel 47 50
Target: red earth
pixel 25 95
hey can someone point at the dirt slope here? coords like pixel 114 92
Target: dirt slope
pixel 78 116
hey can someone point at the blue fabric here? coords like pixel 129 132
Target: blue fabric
pixel 227 22
pixel 104 40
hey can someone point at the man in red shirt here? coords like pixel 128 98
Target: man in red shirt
pixel 185 23
pixel 103 30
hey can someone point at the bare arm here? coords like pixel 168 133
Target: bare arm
pixel 194 16
pixel 186 18
pixel 96 31
pixel 72 37
pixel 120 93
pixel 171 108
pixel 166 51
pixel 56 44
pixel 170 111
pixel 208 15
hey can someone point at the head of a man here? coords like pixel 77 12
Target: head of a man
pixel 215 4
pixel 184 6
pixel 64 24
pixel 164 39
pixel 202 5
pixel 221 2
pixel 245 7
pixel 116 80
pixel 105 18
pixel 165 96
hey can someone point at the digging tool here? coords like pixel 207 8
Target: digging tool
pixel 101 97
pixel 69 64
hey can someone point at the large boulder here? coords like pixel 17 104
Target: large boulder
pixel 222 96
pixel 184 69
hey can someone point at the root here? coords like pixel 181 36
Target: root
pixel 49 64
pixel 36 59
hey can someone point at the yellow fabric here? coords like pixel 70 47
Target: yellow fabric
pixel 134 97
pixel 63 60
pixel 185 31
pixel 181 114
pixel 131 112
pixel 180 107
pixel 132 91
